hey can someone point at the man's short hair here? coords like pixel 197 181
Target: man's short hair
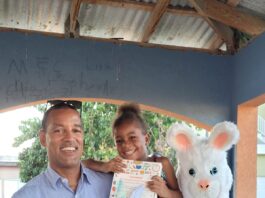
pixel 59 104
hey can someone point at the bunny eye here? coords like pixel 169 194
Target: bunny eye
pixel 213 171
pixel 192 172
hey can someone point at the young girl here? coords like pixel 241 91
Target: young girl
pixel 131 138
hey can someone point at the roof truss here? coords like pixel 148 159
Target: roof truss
pixel 227 21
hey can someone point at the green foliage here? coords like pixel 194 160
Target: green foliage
pixel 97 120
pixel 98 141
pixel 29 129
pixel 157 127
pixel 32 161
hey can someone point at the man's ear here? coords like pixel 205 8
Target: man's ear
pixel 42 137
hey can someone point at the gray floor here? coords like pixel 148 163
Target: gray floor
pixel 260 187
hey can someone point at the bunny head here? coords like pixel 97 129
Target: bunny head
pixel 203 171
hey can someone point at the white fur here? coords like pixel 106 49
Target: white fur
pixel 202 155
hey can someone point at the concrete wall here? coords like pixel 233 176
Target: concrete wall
pixel 34 67
pixel 197 85
pixel 249 93
pixel 249 71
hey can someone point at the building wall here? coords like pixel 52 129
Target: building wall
pixel 9 172
pixel 34 67
pixel 249 93
pixel 261 165
pixel 261 111
pixel 249 71
pixel 203 87
pixel 9 181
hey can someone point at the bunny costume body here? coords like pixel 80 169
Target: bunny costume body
pixel 203 171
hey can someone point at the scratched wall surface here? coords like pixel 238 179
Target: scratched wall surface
pixel 35 67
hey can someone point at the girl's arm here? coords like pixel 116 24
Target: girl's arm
pixel 169 172
pixel 114 165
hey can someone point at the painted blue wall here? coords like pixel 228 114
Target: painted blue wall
pixel 35 67
pixel 250 71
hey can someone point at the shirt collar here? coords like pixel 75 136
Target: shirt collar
pixel 85 174
pixel 53 177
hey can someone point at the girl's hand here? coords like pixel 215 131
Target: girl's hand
pixel 158 185
pixel 115 165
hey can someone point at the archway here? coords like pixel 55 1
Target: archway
pixel 119 102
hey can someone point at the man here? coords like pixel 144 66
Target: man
pixel 62 135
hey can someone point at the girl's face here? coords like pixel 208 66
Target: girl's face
pixel 130 141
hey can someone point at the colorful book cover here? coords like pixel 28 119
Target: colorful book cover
pixel 132 183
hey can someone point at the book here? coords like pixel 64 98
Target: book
pixel 132 183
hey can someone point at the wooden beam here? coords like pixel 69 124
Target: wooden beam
pixel 142 6
pixel 154 19
pixel 231 16
pixel 233 3
pixel 122 4
pixel 151 45
pixel 74 11
pixel 182 11
pixel 225 34
pixel 5 29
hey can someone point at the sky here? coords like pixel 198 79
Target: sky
pixel 9 122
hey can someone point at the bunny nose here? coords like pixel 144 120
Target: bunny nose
pixel 204 184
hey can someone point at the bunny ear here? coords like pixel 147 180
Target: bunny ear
pixel 224 135
pixel 180 137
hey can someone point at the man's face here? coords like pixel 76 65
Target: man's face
pixel 63 138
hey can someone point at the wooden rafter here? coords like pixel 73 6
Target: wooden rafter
pixel 225 34
pixel 142 6
pixel 151 45
pixel 74 11
pixel 231 16
pixel 233 3
pixel 154 18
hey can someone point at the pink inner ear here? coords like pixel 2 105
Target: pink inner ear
pixel 220 140
pixel 183 141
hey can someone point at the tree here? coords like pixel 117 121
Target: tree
pixel 98 141
pixel 32 160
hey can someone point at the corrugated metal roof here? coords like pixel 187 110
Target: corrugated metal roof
pixel 112 22
pixel 175 3
pixel 129 24
pixel 181 3
pixel 186 31
pixel 256 6
pixel 180 26
pixel 36 15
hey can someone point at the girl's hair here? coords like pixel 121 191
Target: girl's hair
pixel 129 112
